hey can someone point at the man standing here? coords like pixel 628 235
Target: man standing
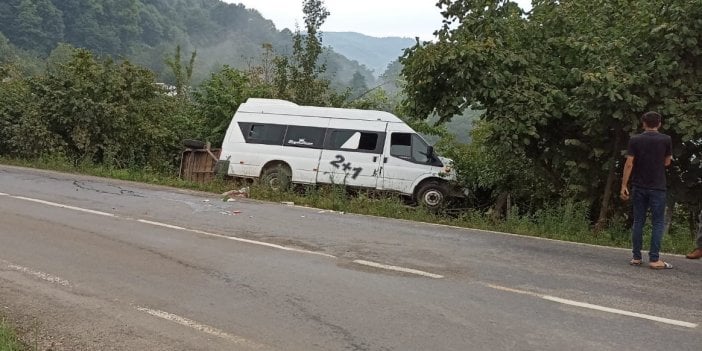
pixel 697 253
pixel 648 154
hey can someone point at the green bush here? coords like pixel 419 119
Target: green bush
pixel 95 111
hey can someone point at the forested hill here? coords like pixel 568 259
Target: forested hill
pixel 375 53
pixel 145 31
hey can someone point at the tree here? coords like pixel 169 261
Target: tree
pixel 298 77
pixel 96 111
pixel 60 55
pixel 34 25
pixel 16 59
pixel 564 84
pixel 358 84
pixel 218 98
pixel 7 51
pixel 14 97
pixel 182 75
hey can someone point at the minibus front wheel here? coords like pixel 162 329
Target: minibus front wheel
pixel 432 194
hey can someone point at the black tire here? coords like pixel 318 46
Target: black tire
pixel 277 177
pixel 194 144
pixel 433 195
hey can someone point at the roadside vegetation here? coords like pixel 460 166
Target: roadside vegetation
pixel 556 94
pixel 8 338
pixel 567 221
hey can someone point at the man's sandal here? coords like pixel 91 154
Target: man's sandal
pixel 665 265
pixel 635 262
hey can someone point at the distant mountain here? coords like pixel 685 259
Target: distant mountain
pixel 374 53
pixel 146 31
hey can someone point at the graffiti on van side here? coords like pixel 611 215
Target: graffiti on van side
pixel 338 163
pixel 301 141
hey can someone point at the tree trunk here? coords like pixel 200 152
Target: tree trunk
pixel 611 178
pixel 500 206
pixel 508 211
pixel 669 210
pixel 694 220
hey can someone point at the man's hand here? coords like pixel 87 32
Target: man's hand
pixel 628 167
pixel 624 193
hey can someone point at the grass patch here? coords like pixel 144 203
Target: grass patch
pixel 8 338
pixel 567 221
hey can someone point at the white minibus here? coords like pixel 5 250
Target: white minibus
pixel 278 141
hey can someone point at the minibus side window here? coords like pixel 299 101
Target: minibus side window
pixel 410 147
pixel 401 146
pixel 354 140
pixel 311 137
pixel 344 139
pixel 269 134
pixel 369 141
pixel 420 149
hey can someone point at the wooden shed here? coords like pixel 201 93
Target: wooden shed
pixel 198 164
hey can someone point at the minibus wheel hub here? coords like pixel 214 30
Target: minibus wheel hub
pixel 433 198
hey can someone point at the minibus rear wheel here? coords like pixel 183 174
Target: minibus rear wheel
pixel 278 177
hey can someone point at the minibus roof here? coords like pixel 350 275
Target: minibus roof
pixel 287 108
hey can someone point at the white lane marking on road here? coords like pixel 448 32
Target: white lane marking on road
pixel 37 274
pixel 621 312
pixel 248 241
pixel 64 206
pixel 261 243
pixel 161 224
pixel 596 307
pixel 233 238
pixel 521 292
pixel 170 226
pixel 398 269
pixel 201 327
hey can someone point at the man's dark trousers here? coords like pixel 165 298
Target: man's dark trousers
pixel 642 200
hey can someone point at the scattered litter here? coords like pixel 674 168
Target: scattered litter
pixel 330 211
pixel 205 200
pixel 289 203
pixel 302 216
pixel 231 200
pixel 243 192
pixel 230 213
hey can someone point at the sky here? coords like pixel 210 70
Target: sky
pixel 378 18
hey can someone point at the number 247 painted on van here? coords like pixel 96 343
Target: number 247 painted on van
pixel 339 164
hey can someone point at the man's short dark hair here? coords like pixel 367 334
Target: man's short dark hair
pixel 651 119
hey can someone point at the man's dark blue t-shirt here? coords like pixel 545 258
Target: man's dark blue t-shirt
pixel 650 150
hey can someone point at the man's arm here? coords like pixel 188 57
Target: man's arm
pixel 628 166
pixel 668 152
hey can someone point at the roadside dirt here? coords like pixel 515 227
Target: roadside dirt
pixel 38 322
pixel 64 319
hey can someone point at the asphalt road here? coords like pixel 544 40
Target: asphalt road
pixel 96 264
